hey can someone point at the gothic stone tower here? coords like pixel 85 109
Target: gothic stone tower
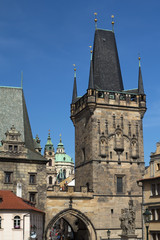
pixel 109 156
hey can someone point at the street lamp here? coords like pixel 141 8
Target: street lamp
pixel 108 234
pixel 147 216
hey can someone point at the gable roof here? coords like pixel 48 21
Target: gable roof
pixel 11 202
pixel 106 67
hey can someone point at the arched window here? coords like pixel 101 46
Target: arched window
pixel 50 180
pixel 17 221
pixel 64 173
pixel 50 162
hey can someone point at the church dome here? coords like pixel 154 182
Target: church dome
pixel 60 155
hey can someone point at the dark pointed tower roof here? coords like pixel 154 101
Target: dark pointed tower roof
pixel 140 80
pixel 91 81
pixel 106 67
pixel 74 95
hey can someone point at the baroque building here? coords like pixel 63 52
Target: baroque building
pixel 60 165
pixel 22 168
pixel 109 157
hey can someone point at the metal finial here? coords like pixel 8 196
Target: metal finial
pixel 21 79
pixel 91 51
pixel 49 132
pixel 60 137
pixel 74 65
pixel 139 58
pixel 112 22
pixel 95 19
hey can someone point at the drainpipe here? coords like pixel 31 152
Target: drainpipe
pixel 24 223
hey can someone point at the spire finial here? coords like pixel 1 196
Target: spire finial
pixel 49 132
pixel 91 51
pixel 60 137
pixel 139 58
pixel 21 79
pixel 74 65
pixel 95 20
pixel 112 22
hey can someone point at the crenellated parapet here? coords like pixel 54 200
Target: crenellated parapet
pixel 96 98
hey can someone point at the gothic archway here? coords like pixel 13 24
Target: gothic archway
pixel 79 226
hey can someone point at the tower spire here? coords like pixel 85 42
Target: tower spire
pixel 74 95
pixel 91 82
pixel 140 81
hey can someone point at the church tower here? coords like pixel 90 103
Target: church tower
pixel 109 156
pixel 49 154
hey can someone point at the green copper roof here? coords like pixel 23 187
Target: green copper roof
pixel 49 144
pixel 63 157
pixel 60 155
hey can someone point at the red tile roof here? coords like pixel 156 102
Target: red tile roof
pixel 9 201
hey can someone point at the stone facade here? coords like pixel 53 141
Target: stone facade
pixel 109 157
pixel 151 195
pixel 25 177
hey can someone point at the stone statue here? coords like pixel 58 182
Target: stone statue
pixel 128 220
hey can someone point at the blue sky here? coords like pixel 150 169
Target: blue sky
pixel 45 38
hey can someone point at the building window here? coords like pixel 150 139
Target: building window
pixel 32 197
pixel 15 148
pixel 10 147
pixel 50 162
pixel 64 173
pixel 8 177
pixel 158 166
pixel 50 180
pixel 153 214
pixel 0 222
pixel 153 189
pixel 119 184
pixel 17 222
pixel 126 155
pixel 110 155
pixel 50 153
pixel 32 179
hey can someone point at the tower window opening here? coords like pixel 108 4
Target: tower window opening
pixel 133 98
pixel 10 147
pixel 100 94
pixel 112 96
pixel 110 155
pixel 126 155
pixel 119 184
pixel 50 162
pixel 50 180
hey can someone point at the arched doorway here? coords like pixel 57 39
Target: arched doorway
pixel 70 224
